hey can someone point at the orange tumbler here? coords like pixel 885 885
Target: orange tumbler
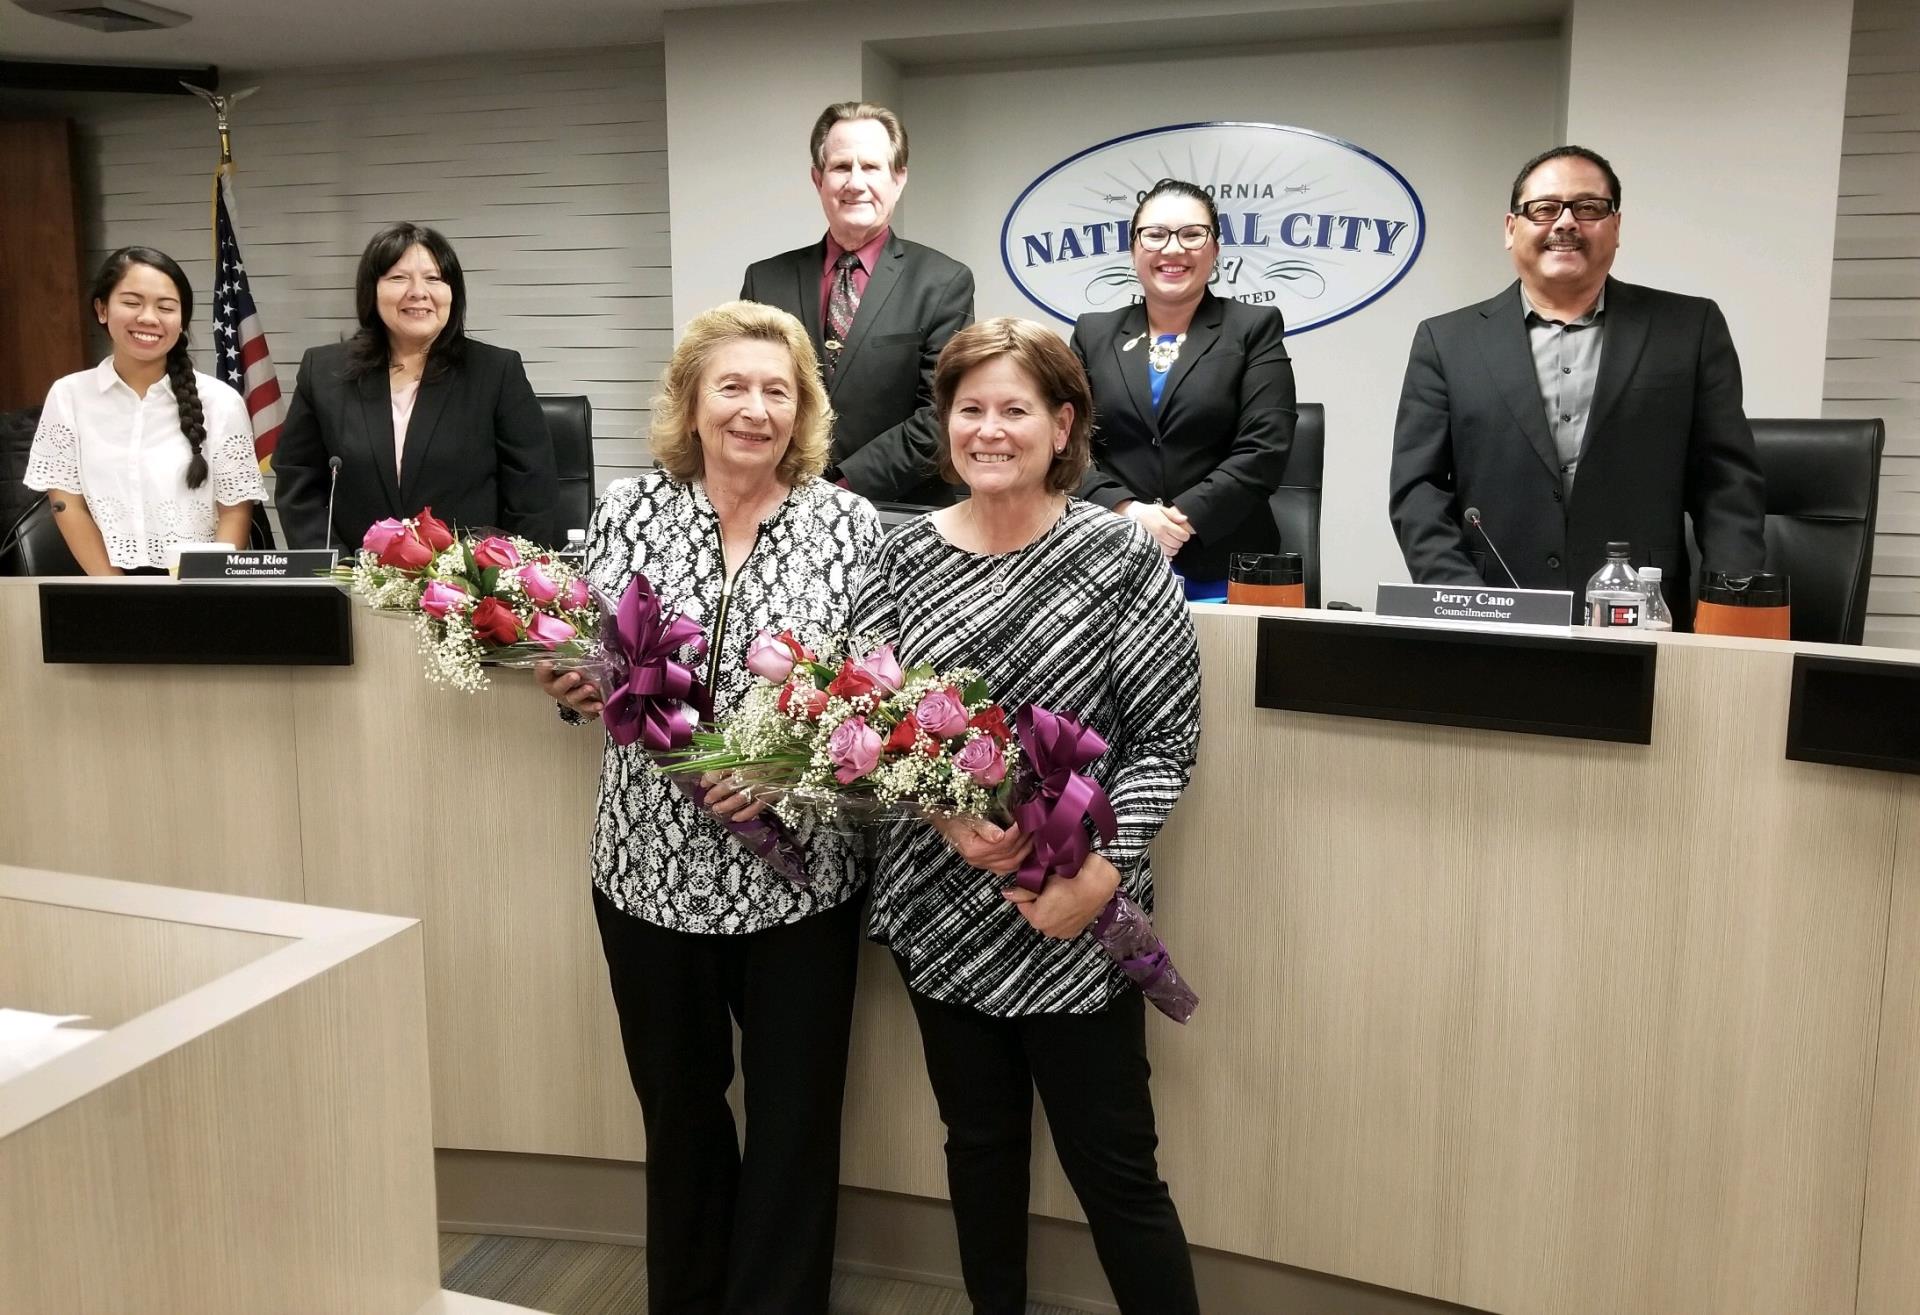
pixel 1755 606
pixel 1267 579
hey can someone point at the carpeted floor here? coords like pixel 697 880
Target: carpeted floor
pixel 585 1278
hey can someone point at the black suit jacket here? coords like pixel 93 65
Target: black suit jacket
pixel 886 439
pixel 1666 436
pixel 1217 447
pixel 477 450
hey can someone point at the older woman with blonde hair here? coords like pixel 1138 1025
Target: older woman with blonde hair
pixel 735 529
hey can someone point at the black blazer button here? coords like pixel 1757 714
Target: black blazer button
pixel 1554 563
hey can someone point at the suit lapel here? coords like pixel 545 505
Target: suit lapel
pixel 1202 334
pixel 1626 321
pixel 427 406
pixel 1509 359
pixel 376 409
pixel 1132 365
pixel 880 286
pixel 806 297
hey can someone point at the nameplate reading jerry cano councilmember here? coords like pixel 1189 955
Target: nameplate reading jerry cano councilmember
pixel 1464 602
pixel 294 565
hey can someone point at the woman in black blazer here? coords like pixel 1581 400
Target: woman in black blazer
pixel 419 414
pixel 1192 395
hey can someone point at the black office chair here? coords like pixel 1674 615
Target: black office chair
pixel 1823 496
pixel 37 546
pixel 1296 503
pixel 570 425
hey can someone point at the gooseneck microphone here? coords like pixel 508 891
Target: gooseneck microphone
pixel 1473 519
pixel 333 487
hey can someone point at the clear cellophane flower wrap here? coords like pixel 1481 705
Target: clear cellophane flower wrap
pixel 1056 811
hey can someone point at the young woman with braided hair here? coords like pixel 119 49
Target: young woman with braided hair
pixel 143 452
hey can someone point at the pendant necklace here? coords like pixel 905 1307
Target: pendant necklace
pixel 1164 352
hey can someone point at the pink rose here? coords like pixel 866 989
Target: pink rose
pixel 538 584
pixel 854 748
pixel 881 667
pixel 549 631
pixel 576 595
pixel 981 760
pixel 942 713
pixel 769 658
pixel 381 534
pixel 495 551
pixel 440 598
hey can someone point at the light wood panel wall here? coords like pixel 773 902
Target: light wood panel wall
pixel 183 779
pixel 1890 1260
pixel 1527 1024
pixel 1873 329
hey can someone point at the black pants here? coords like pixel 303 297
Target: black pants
pixel 1091 1072
pixel 733 1233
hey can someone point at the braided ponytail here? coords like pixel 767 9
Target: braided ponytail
pixel 193 416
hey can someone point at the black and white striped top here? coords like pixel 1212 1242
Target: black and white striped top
pixel 1087 621
pixel 656 854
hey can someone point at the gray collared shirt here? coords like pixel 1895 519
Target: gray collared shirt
pixel 1566 361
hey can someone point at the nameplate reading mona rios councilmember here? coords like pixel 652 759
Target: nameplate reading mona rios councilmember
pixel 259 566
pixel 1482 603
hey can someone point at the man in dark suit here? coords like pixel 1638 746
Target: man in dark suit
pixel 1573 409
pixel 879 308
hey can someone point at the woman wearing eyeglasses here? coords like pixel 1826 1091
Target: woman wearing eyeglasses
pixel 1192 395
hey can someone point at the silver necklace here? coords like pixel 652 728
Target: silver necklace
pixel 1162 354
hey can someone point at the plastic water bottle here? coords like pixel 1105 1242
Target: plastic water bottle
pixel 1614 595
pixel 1654 612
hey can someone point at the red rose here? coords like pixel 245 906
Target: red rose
pixel 993 721
pixel 801 653
pixel 851 682
pixel 903 735
pixel 433 531
pixel 812 702
pixel 495 622
pixel 407 553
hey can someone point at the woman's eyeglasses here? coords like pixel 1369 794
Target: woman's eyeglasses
pixel 1154 237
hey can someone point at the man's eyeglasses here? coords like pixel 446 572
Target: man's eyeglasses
pixel 1548 208
pixel 1154 237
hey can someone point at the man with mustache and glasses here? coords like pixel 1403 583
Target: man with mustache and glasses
pixel 878 308
pixel 1573 409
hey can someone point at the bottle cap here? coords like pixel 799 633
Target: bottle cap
pixel 1616 548
pixel 1650 573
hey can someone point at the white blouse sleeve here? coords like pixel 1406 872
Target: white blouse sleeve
pixel 229 449
pixel 54 461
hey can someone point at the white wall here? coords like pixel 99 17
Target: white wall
pixel 1723 120
pixel 1440 112
pixel 1720 98
pixel 547 172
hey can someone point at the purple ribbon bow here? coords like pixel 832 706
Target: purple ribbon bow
pixel 650 695
pixel 1064 797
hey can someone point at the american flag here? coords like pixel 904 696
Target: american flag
pixel 239 341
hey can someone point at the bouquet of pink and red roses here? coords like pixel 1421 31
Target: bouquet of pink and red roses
pixel 480 601
pixel 860 736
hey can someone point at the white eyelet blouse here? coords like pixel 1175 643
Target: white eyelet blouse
pixel 126 455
